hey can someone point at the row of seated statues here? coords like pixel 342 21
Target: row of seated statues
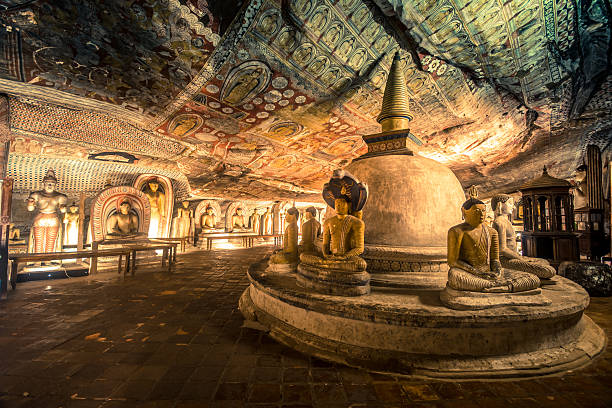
pixel 481 258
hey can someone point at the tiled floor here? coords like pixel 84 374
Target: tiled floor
pixel 159 340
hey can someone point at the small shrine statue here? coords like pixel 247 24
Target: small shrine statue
pixel 580 190
pixel 267 222
pixel 340 271
pixel 45 235
pixel 209 220
pixel 238 219
pixel 181 225
pixel 255 222
pixel 473 256
pixel 157 199
pixel 124 222
pixel 509 257
pixel 311 229
pixel 289 254
pixel 71 225
pixel 14 233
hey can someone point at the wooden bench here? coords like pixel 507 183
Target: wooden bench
pixel 137 245
pixel 16 259
pixel 247 239
pixel 181 241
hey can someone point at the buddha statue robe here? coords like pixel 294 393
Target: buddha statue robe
pixel 311 229
pixel 122 223
pixel 71 226
pixel 209 220
pixel 157 199
pixel 473 257
pixel 182 222
pixel 45 235
pixel 508 255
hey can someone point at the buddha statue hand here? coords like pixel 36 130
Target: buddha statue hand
pixel 351 264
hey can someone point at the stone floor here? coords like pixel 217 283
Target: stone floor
pixel 170 341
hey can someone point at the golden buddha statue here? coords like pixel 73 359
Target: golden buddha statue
pixel 157 199
pixel 124 222
pixel 340 271
pixel 255 221
pixel 182 221
pixel 289 254
pixel 71 225
pixel 473 256
pixel 45 232
pixel 267 222
pixel 209 219
pixel 311 229
pixel 502 205
pixel 238 219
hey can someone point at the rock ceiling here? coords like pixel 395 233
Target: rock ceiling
pixel 264 98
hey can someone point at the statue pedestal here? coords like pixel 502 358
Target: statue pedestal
pixel 282 268
pixel 410 332
pixel 333 282
pixel 465 300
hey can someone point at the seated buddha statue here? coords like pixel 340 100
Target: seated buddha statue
pixel 209 220
pixel 238 221
pixel 122 223
pixel 502 205
pixel 287 258
pixel 340 270
pixel 311 229
pixel 473 256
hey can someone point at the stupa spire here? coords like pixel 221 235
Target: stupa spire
pixel 395 113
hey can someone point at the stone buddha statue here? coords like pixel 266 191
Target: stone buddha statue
pixel 124 222
pixel 45 233
pixel 287 258
pixel 502 205
pixel 267 222
pixel 473 256
pixel 209 220
pixel 340 270
pixel 157 199
pixel 311 229
pixel 182 221
pixel 255 222
pixel 71 225
pixel 238 219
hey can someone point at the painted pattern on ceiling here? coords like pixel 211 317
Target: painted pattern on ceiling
pixel 281 91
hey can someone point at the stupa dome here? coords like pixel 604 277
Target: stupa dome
pixel 414 200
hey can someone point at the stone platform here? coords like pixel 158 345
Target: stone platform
pixel 411 332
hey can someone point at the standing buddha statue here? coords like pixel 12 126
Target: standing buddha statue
pixel 502 205
pixel 182 221
pixel 255 222
pixel 45 233
pixel 71 225
pixel 267 222
pixel 157 199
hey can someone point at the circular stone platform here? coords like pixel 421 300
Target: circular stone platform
pixel 410 332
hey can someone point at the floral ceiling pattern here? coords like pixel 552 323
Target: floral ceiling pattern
pixel 264 98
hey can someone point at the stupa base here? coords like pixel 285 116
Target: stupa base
pixel 411 332
pixel 282 268
pixel 334 282
pixel 465 300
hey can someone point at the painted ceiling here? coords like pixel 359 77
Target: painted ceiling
pixel 264 98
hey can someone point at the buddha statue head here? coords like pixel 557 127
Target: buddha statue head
pixel 73 208
pixel 345 187
pixel 185 204
pixel 255 211
pixel 49 182
pixel 310 213
pixel 292 215
pixel 125 207
pixel 153 185
pixel 239 211
pixel 474 212
pixel 210 210
pixel 502 204
pixel 342 206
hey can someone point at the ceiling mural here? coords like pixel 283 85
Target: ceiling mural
pixel 272 95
